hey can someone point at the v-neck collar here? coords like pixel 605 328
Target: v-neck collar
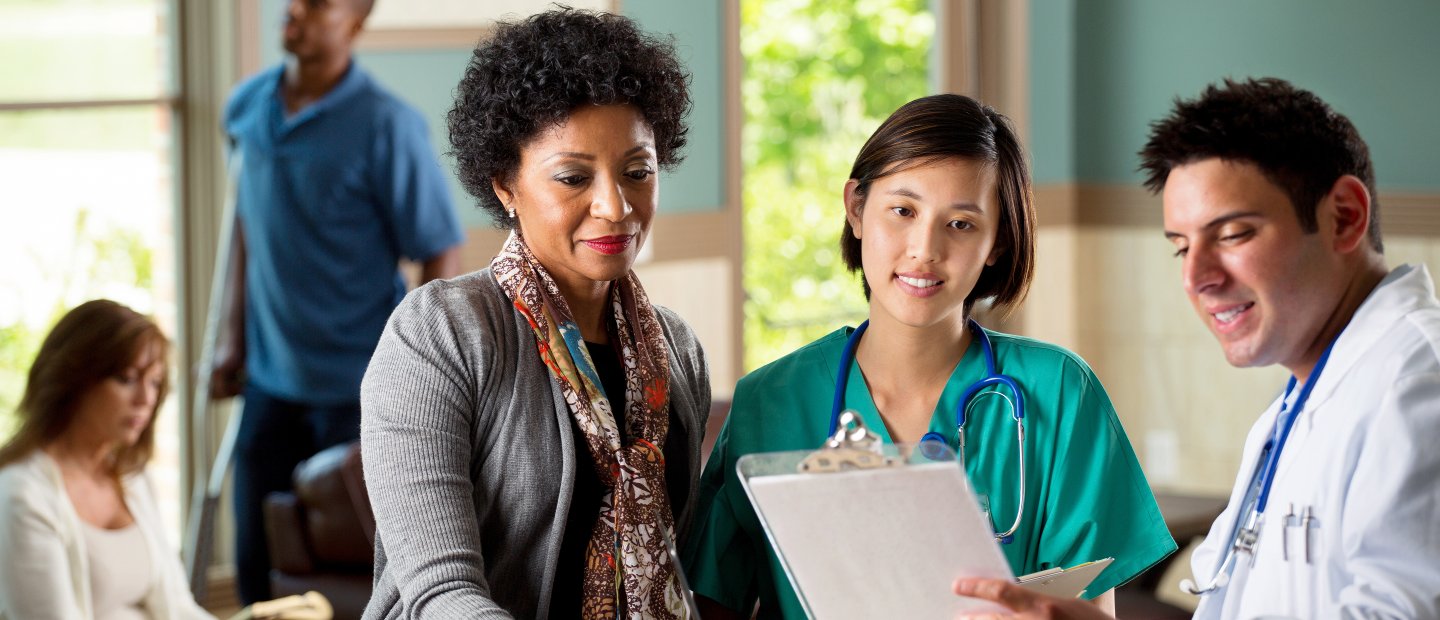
pixel 969 369
pixel 353 79
pixel 1402 290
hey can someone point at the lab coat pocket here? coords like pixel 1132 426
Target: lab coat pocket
pixel 1307 555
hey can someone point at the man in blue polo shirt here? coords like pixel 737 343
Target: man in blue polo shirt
pixel 338 182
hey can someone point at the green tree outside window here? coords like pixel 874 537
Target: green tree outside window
pixel 819 77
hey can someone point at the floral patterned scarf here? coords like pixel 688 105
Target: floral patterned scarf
pixel 627 562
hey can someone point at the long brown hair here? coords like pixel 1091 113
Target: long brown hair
pixel 95 341
pixel 937 127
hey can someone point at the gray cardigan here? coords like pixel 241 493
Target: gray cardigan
pixel 469 455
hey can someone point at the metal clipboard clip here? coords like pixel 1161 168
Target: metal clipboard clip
pixel 852 447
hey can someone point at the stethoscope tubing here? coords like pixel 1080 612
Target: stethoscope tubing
pixel 1251 515
pixel 992 379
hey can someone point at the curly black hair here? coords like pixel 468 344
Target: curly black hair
pixel 1297 141
pixel 531 74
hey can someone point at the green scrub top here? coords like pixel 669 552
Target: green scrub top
pixel 1086 496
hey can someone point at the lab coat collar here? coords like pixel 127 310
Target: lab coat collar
pixel 1405 289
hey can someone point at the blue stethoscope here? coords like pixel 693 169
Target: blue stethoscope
pixel 992 379
pixel 1245 533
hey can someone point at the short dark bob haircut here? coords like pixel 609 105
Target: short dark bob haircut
pixel 1296 140
pixel 532 74
pixel 939 127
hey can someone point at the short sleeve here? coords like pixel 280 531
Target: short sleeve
pixel 720 559
pixel 412 189
pixel 1100 504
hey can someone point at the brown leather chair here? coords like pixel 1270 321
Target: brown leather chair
pixel 322 536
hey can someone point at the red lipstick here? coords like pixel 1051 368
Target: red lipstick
pixel 611 245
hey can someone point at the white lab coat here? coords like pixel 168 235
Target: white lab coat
pixel 1364 456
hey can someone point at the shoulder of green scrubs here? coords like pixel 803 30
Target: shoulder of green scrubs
pixel 1086 497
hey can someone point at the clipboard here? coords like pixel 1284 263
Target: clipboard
pixel 1065 582
pixel 867 530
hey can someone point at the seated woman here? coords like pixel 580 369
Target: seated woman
pixel 531 431
pixel 80 533
pixel 938 217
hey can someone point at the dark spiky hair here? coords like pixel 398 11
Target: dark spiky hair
pixel 1296 140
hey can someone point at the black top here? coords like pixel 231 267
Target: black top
pixel 585 503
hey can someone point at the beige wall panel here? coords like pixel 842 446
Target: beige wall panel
pixel 1185 409
pixel 695 289
pixel 1049 311
pixel 1417 250
pixel 482 243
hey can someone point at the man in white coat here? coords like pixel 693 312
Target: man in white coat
pixel 1269 199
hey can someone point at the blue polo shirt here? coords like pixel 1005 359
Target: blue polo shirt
pixel 329 200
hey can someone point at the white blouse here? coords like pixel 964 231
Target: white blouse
pixel 46 566
pixel 120 573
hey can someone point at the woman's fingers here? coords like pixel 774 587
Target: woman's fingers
pixel 1000 591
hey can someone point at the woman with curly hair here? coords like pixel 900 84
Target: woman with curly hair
pixel 80 532
pixel 531 431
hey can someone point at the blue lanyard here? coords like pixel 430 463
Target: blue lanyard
pixel 1283 424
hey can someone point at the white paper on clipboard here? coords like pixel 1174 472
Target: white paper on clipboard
pixel 875 543
pixel 884 530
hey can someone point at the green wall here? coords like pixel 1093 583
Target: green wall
pixel 699 183
pixel 1052 90
pixel 427 79
pixel 1103 69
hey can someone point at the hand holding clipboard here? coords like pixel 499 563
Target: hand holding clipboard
pixel 871 530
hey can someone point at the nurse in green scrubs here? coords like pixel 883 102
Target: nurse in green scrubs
pixel 938 217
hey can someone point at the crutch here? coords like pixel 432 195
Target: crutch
pixel 205 498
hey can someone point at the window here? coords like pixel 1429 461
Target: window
pixel 87 182
pixel 819 78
